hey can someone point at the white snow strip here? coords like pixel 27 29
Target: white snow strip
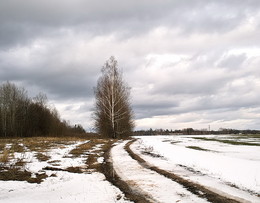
pixel 232 164
pixel 66 188
pixel 160 188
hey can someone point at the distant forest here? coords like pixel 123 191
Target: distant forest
pixel 191 131
pixel 21 116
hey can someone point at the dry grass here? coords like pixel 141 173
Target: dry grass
pixel 16 174
pixel 44 144
pixel 16 171
pixel 74 169
pixel 17 147
pixel 81 149
pixel 4 158
pixel 93 150
pixel 92 162
pixel 54 162
pixel 42 157
pixel 86 147
pixel 37 143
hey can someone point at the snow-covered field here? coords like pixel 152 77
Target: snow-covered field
pixel 59 186
pixel 229 165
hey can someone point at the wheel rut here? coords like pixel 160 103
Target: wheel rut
pixel 194 188
pixel 111 175
pixel 140 180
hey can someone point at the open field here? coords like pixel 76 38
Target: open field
pixel 202 168
pixel 228 165
pixel 55 170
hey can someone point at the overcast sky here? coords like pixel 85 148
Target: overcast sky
pixel 189 63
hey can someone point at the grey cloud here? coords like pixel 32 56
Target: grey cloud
pixel 63 81
pixel 227 98
pixel 28 19
pixel 153 107
pixel 197 92
pixel 61 84
pixel 59 47
pixel 233 61
pixel 194 83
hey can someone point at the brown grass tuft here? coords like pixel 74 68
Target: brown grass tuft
pixel 42 157
pixel 4 158
pixel 15 174
pixel 74 169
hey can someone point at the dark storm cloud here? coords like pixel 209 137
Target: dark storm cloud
pixel 63 82
pixel 58 47
pixel 22 21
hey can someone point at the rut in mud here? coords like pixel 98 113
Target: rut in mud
pixel 148 183
pixel 111 175
pixel 195 188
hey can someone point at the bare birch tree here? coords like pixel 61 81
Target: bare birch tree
pixel 113 114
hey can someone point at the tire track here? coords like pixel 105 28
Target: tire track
pixel 194 188
pixel 111 175
pixel 147 183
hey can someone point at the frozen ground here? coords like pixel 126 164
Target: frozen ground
pixel 65 187
pixel 229 168
pixel 227 165
pixel 60 186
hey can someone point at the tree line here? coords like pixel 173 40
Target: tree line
pixel 21 116
pixel 191 131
